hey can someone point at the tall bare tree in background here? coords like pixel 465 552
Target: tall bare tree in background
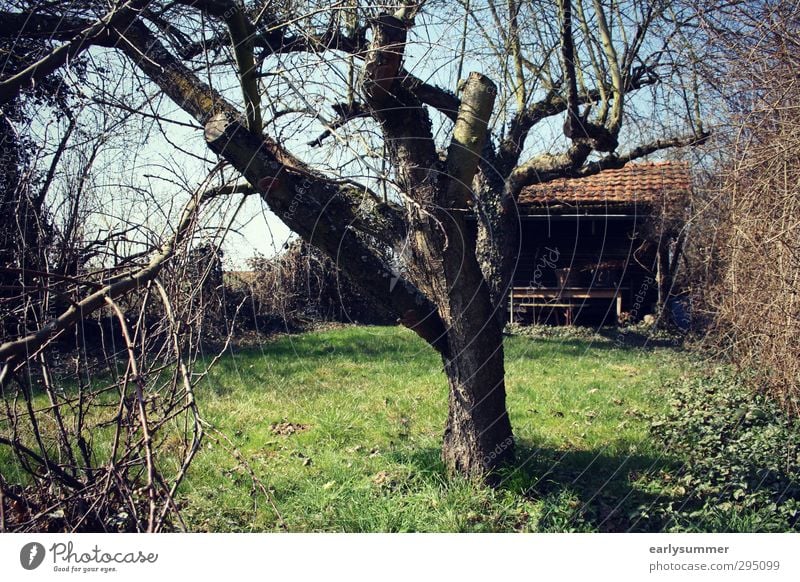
pixel 370 140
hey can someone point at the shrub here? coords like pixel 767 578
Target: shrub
pixel 299 287
pixel 748 244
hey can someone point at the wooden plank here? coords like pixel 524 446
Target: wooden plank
pixel 545 305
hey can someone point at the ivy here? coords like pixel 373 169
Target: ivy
pixel 741 459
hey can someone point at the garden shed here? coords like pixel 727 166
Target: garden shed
pixel 600 249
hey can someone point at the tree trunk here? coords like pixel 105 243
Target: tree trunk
pixel 663 282
pixel 478 437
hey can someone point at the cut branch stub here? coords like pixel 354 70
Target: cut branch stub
pixel 469 137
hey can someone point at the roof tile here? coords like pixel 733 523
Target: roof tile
pixel 639 183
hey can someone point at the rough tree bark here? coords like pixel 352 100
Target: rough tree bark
pixel 478 436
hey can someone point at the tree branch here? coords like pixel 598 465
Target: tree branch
pixel 547 167
pixel 574 120
pixel 554 103
pixel 440 99
pixel 88 36
pixel 384 57
pixel 65 477
pixel 346 113
pixel 405 122
pixel 617 161
pixel 571 164
pixel 317 210
pixel 241 31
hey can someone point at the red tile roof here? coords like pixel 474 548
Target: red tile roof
pixel 635 183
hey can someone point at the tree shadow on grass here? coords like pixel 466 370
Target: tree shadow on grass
pixel 605 339
pixel 590 490
pixel 579 490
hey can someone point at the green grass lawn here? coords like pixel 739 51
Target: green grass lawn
pixel 340 430
pixel 344 428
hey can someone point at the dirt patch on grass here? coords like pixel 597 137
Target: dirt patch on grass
pixel 286 428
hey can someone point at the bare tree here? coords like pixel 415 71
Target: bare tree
pixel 410 186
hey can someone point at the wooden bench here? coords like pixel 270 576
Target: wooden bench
pixel 561 297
